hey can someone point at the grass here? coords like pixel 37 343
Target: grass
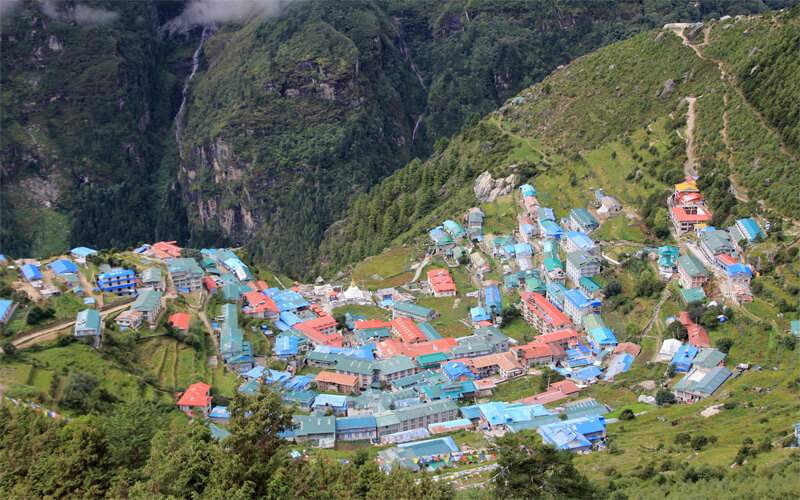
pixel 515 389
pixel 620 228
pixel 519 330
pixel 390 268
pixel 371 312
pixel 449 321
pixel 501 216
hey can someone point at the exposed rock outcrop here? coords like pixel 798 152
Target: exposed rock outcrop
pixel 488 189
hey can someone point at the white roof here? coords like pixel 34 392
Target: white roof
pixel 669 348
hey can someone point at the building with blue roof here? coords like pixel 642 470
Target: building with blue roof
pixel 577 305
pixel 747 229
pixel 251 387
pixel 7 308
pixel 550 230
pixel 456 370
pixel 478 314
pixel 286 346
pixel 588 407
pixel 288 300
pixel 357 428
pixel 219 414
pixel 32 274
pixel 602 337
pixel 581 220
pixel 303 399
pixel 682 360
pixel 454 229
pixel 491 299
pixel 63 266
pixel 575 435
pixel 334 402
pixel 587 374
pixel 441 239
pixel 236 352
pixel 576 240
pixel 118 281
pixel 80 254
pixel 527 190
pixel 619 363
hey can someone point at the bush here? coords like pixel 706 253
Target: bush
pixel 682 438
pixel 9 349
pixel 724 345
pixel 36 315
pixel 699 442
pixel 627 414
pixel 665 398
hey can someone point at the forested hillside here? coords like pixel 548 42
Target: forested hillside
pixel 286 119
pixel 632 94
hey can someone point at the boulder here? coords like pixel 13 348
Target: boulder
pixel 488 189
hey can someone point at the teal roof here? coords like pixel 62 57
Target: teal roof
pixel 310 425
pixel 703 382
pixel 151 275
pixel 433 358
pixel 88 319
pixel 795 327
pixel 589 284
pixel 413 309
pixel 394 364
pixel 692 265
pixel 592 321
pixel 354 365
pixel 148 300
pixel 692 295
pixel 552 263
pixel 717 241
pixel 708 358
pixel 184 265
pixel 583 217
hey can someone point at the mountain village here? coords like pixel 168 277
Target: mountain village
pixel 381 373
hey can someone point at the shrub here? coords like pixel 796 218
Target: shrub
pixel 627 414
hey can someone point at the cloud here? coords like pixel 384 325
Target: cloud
pixel 81 14
pixel 6 6
pixel 208 12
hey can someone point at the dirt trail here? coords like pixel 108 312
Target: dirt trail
pixel 690 166
pixel 420 267
pixel 51 332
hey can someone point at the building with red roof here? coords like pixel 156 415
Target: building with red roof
pixel 181 321
pixel 538 353
pixel 259 305
pixel 260 285
pixel 372 324
pixel 164 250
pixel 196 397
pixel 698 336
pixel 441 283
pixel 337 382
pixel 555 392
pixel 542 314
pixel 321 331
pixel 629 348
pixel 390 348
pixel 563 338
pixel 209 284
pixel 686 219
pixel 407 330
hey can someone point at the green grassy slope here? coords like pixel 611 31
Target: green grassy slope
pixel 603 121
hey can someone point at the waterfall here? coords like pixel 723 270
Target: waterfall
pixel 182 110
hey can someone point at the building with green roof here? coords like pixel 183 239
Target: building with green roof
pixel 700 383
pixel 395 367
pixel 149 303
pixel 415 417
pixel 152 277
pixel 185 273
pixel 314 428
pixel 413 311
pixel 691 272
pixel 432 360
pixel 693 295
pixel 708 358
pixel 88 324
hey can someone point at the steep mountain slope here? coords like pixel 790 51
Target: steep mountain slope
pixel 627 99
pixel 297 113
pixel 286 118
pixel 85 101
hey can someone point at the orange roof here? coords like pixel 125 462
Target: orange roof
pixel 505 360
pixel 544 309
pixel 566 334
pixel 394 347
pixel 313 330
pixel 628 347
pixel 441 281
pixel 407 330
pixel 180 320
pixel 257 302
pixel 165 249
pixel 485 383
pixel 727 259
pixel 209 283
pixel 543 398
pixel 535 349
pixel 337 378
pixel 370 324
pixel 565 386
pixel 681 215
pixel 197 395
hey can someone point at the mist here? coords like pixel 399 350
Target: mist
pixel 6 6
pixel 210 12
pixel 81 14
